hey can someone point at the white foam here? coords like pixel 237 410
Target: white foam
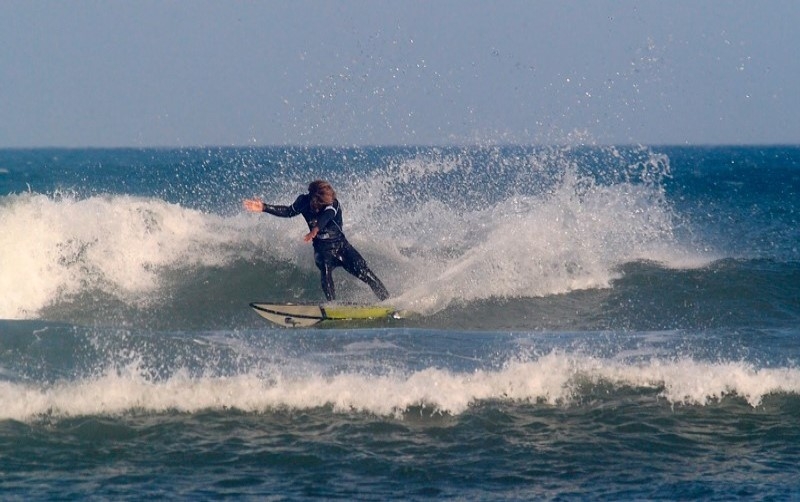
pixel 56 246
pixel 553 379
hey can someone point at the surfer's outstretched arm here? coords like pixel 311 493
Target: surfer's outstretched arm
pixel 258 206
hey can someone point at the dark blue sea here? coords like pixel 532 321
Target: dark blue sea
pixel 583 322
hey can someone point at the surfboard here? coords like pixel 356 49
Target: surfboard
pixel 303 316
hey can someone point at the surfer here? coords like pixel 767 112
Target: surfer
pixel 323 213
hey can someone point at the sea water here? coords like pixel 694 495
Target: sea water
pixel 584 322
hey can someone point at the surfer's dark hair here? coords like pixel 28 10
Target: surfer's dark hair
pixel 322 194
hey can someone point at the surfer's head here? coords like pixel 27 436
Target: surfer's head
pixel 322 194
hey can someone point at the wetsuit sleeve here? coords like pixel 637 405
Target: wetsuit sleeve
pixel 285 211
pixel 327 215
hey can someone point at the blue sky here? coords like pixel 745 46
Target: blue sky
pixel 201 73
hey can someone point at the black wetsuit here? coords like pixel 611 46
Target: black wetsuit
pixel 331 248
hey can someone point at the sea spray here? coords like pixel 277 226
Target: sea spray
pixel 464 225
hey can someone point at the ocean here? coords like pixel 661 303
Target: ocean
pixel 583 322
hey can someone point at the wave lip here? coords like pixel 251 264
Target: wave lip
pixel 56 247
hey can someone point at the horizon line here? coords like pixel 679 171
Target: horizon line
pixel 390 145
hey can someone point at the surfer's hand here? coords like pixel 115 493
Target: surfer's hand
pixel 254 205
pixel 310 236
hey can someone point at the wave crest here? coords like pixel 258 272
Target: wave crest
pixel 438 226
pixel 555 379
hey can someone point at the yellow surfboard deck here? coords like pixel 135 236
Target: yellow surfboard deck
pixel 303 316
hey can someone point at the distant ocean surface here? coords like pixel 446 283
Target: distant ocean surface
pixel 589 323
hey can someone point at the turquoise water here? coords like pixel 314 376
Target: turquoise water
pixel 603 323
